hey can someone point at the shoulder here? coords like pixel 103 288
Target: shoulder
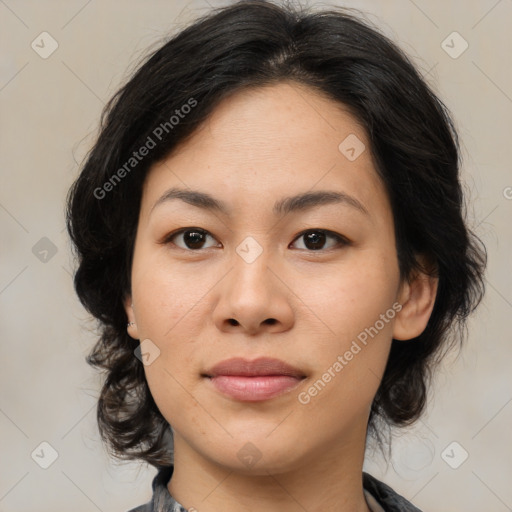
pixel 142 508
pixel 161 499
pixel 390 500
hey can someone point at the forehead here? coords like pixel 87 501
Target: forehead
pixel 269 142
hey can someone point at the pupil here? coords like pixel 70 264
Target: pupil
pixel 193 239
pixel 317 239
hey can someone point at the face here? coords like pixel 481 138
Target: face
pixel 313 283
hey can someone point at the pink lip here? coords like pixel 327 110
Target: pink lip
pixel 252 381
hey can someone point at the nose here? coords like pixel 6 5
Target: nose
pixel 254 298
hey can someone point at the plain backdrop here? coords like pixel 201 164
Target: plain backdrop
pixel 50 110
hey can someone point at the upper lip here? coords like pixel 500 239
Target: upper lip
pixel 256 367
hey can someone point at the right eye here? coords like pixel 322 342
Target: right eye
pixel 192 238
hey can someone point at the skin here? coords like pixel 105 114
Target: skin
pixel 257 147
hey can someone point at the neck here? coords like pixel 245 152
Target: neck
pixel 331 481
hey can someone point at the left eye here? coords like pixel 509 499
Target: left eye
pixel 314 239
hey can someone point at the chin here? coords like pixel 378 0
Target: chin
pixel 255 455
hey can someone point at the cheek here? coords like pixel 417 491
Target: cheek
pixel 175 328
pixel 166 296
pixel 356 309
pixel 352 298
pixel 174 397
pixel 169 313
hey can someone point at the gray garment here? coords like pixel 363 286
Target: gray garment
pixel 379 496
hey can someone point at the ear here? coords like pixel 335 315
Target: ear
pixel 417 296
pixel 130 315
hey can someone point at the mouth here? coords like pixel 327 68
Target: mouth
pixel 253 381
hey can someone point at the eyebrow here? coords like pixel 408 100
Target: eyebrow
pixel 299 202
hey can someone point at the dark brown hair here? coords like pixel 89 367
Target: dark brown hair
pixel 251 44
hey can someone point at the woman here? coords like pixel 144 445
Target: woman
pixel 270 231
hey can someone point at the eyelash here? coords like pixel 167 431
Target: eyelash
pixel 341 240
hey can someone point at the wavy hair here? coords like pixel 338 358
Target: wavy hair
pixel 254 44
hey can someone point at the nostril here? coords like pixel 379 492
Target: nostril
pixel 269 321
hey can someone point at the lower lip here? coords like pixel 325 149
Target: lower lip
pixel 254 389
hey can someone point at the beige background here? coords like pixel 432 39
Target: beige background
pixel 49 113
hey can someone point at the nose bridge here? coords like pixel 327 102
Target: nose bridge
pixel 251 274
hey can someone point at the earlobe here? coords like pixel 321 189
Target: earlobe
pixel 131 325
pixel 417 298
